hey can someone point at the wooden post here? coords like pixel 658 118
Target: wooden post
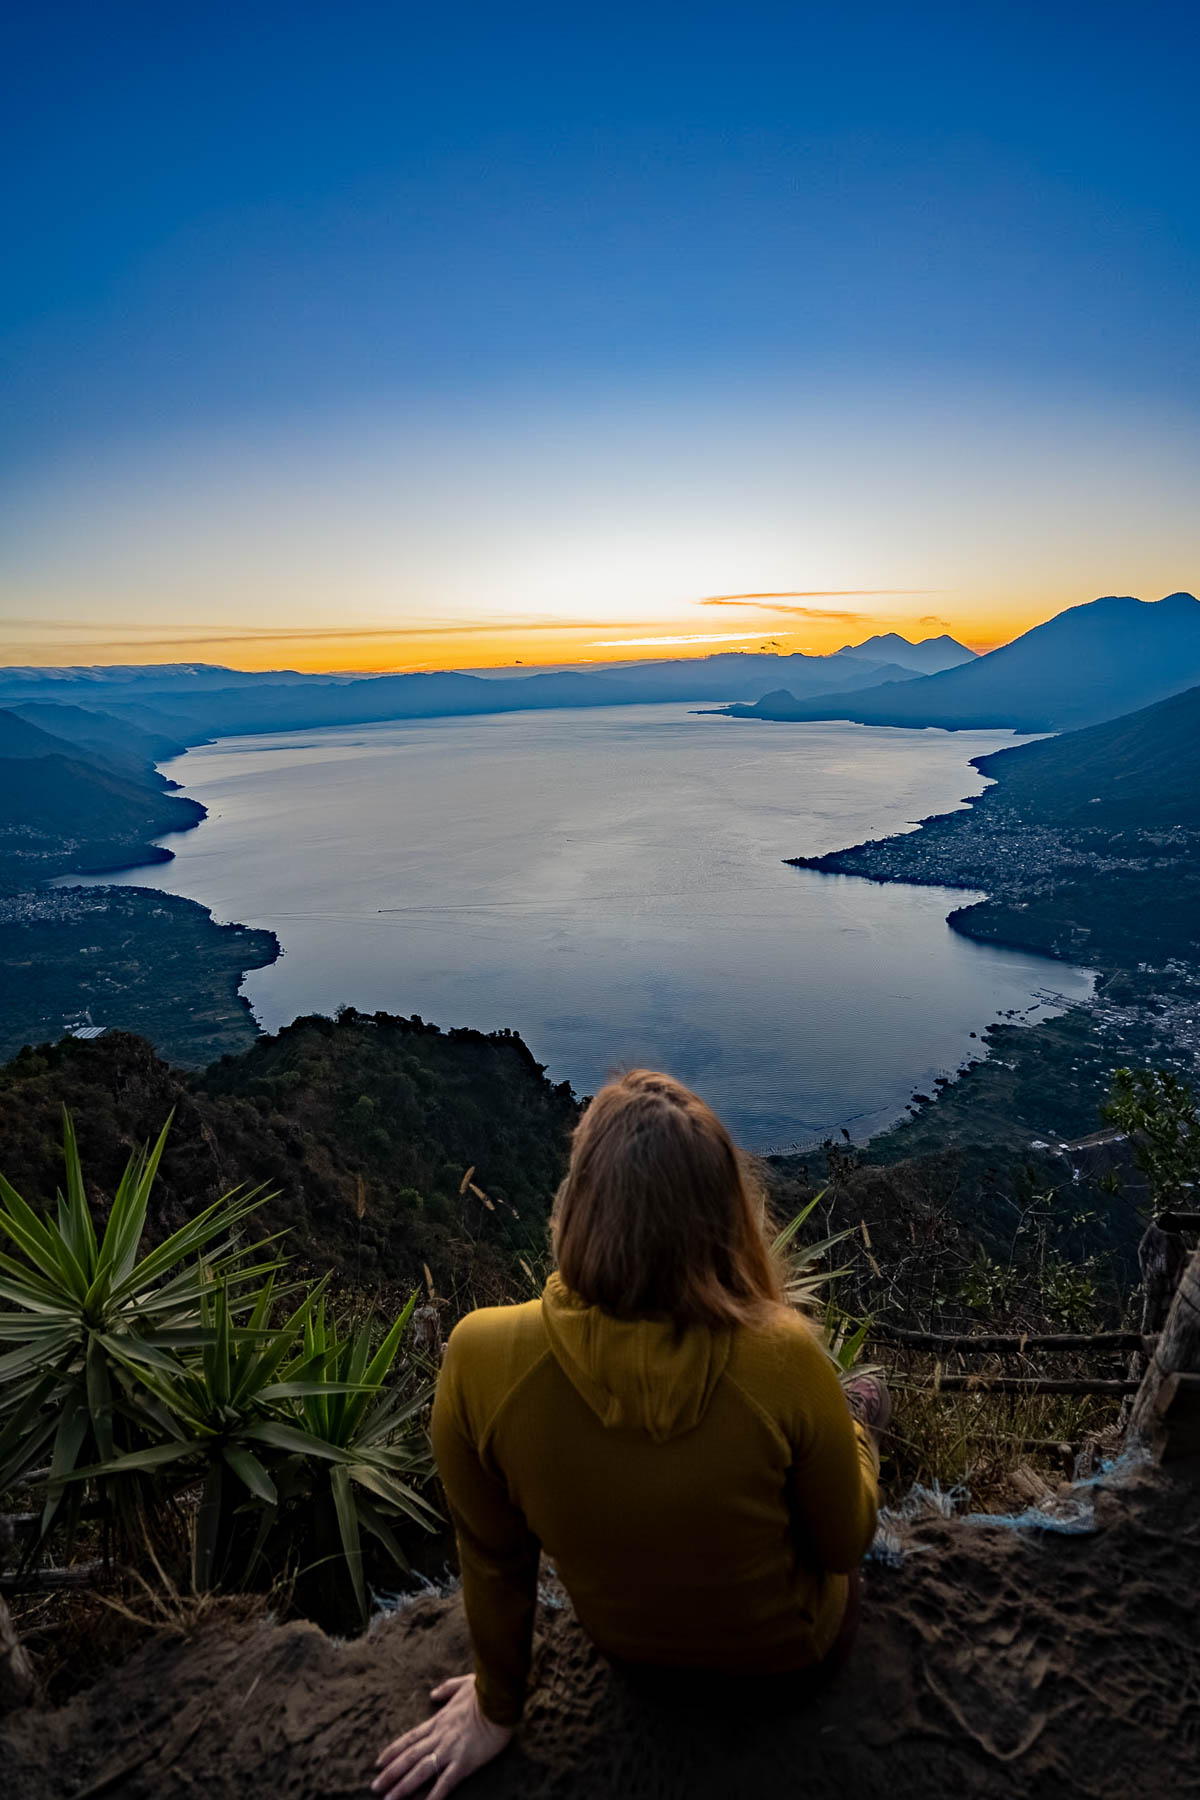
pixel 1162 1259
pixel 427 1332
pixel 1163 1413
pixel 17 1681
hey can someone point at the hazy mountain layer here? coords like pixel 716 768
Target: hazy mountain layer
pixel 928 657
pixel 192 707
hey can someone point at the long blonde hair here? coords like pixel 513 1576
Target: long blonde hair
pixel 659 1214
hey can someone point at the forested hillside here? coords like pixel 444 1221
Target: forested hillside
pixel 76 805
pixel 389 1144
pixel 1138 772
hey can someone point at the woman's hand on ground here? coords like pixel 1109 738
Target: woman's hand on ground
pixel 444 1749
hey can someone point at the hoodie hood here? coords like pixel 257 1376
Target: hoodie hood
pixel 641 1374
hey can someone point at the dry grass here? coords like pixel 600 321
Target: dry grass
pixel 987 1444
pixel 75 1635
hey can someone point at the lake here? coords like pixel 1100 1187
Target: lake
pixel 611 884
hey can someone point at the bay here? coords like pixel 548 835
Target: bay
pixel 611 884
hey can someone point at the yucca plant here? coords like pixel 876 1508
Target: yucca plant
pixel 292 1436
pixel 809 1287
pixel 206 1405
pixel 83 1309
pixel 803 1277
pixel 360 1457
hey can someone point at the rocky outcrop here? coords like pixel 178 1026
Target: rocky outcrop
pixel 996 1658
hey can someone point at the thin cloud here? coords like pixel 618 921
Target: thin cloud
pixel 677 637
pixel 772 602
pixel 128 636
pixel 797 612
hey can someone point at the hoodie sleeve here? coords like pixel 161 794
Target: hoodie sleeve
pixel 835 1474
pixel 498 1554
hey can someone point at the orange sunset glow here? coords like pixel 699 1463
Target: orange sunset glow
pixel 483 644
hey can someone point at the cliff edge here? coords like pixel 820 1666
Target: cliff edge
pixel 996 1658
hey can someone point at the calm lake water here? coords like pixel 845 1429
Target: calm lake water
pixel 610 884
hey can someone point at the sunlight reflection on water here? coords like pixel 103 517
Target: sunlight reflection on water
pixel 611 885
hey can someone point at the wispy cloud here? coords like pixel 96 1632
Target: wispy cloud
pixel 799 612
pixel 677 637
pixel 203 636
pixel 773 602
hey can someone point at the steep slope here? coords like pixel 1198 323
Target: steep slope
pixel 62 810
pixel 1087 664
pixel 1088 844
pixel 21 739
pixel 117 743
pixel 1138 772
pixel 364 1127
pixel 99 732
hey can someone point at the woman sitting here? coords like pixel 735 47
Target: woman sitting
pixel 660 1423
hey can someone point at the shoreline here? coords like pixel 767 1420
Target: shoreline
pixel 897 1114
pixel 947 850
pixel 128 958
pixel 1085 899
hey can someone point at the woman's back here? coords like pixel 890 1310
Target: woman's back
pixel 659 1422
pixel 703 1492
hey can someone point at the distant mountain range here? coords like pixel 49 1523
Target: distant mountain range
pixel 188 702
pixel 1089 663
pixel 929 657
pixel 893 656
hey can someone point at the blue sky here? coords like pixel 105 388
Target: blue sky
pixel 502 272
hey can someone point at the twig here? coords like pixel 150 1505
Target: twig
pixel 81 1575
pixel 1018 1384
pixel 1011 1341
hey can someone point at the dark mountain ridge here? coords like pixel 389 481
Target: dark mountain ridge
pixel 1137 772
pixel 64 806
pixel 1090 663
pixel 127 748
pixel 368 1128
pixel 1088 844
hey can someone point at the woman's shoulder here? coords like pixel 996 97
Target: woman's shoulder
pixel 493 1327
pixel 781 1354
pixel 491 1349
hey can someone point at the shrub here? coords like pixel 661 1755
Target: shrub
pixel 163 1384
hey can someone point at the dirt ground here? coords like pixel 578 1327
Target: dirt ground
pixel 992 1662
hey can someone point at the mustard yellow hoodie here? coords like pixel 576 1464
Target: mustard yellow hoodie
pixel 703 1494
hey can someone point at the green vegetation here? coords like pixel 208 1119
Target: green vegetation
pixel 1159 1113
pixel 79 792
pixel 365 1127
pixel 67 806
pixel 135 960
pixel 167 1388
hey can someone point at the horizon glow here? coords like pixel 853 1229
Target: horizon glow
pixel 539 338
